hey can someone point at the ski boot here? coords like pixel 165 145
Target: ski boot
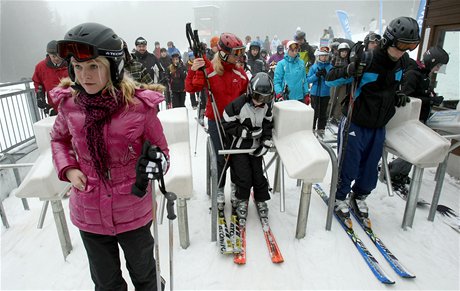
pixel 233 198
pixel 220 198
pixel 242 209
pixel 359 206
pixel 262 208
pixel 342 211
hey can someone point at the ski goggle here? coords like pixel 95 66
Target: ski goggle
pixel 238 51
pixel 375 37
pixel 262 98
pixel 404 45
pixel 83 52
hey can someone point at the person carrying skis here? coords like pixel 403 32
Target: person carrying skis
pixel 418 83
pixel 227 81
pixel 248 124
pixel 104 127
pixel 290 72
pixel 320 91
pixel 377 77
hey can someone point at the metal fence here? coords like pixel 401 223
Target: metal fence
pixel 18 112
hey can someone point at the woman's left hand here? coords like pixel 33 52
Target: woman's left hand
pixel 76 178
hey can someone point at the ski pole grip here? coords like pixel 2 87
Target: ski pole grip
pixel 170 196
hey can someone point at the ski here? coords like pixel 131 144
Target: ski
pixel 235 234
pixel 365 253
pixel 387 254
pixel 402 191
pixel 240 258
pixel 225 243
pixel 273 249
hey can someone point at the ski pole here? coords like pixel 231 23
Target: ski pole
pixel 171 197
pixel 156 240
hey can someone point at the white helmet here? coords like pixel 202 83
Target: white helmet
pixel 343 46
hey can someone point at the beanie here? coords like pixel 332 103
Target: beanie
pixel 51 47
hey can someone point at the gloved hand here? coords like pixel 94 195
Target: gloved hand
pixel 263 148
pixel 41 103
pixel 436 100
pixel 401 99
pixel 279 97
pixel 306 99
pixel 152 164
pixel 320 73
pixel 255 133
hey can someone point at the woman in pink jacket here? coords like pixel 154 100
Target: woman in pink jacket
pixel 97 144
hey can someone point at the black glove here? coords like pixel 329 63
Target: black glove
pixel 254 133
pixel 320 73
pixel 436 100
pixel 151 165
pixel 41 101
pixel 263 148
pixel 401 99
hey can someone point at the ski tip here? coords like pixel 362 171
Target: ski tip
pixel 388 282
pixel 239 260
pixel 277 260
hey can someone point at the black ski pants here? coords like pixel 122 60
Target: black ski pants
pixel 248 172
pixel 320 104
pixel 104 259
pixel 178 99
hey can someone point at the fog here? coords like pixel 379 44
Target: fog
pixel 27 26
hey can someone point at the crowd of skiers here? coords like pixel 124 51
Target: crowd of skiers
pixel 108 143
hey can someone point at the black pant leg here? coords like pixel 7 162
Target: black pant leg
pixel 259 182
pixel 322 114
pixel 137 246
pixel 104 261
pixel 242 175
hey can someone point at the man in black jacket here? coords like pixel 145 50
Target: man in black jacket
pixel 147 59
pixel 377 77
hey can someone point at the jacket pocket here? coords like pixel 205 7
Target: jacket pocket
pixel 85 206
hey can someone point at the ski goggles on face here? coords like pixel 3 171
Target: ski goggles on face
pixel 403 45
pixel 238 51
pixel 260 98
pixel 83 52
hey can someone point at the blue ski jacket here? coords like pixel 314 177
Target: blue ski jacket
pixel 291 71
pixel 319 87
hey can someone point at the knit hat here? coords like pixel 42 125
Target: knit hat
pixel 140 40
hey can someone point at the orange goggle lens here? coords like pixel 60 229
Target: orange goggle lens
pixel 404 46
pixel 80 51
pixel 238 51
pixel 294 47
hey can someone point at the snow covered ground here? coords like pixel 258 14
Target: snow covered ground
pixel 31 258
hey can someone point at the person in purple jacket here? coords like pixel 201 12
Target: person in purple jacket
pixel 99 142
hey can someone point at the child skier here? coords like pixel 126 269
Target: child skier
pixel 248 124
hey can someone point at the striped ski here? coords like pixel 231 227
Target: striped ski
pixel 235 234
pixel 367 256
pixel 273 249
pixel 391 259
pixel 225 243
pixel 240 258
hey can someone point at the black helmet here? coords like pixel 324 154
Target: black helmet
pixel 402 32
pixel 88 41
pixel 299 35
pixel 51 48
pixel 261 88
pixel 433 56
pixel 254 44
pixel 280 48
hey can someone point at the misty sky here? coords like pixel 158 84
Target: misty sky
pixel 165 20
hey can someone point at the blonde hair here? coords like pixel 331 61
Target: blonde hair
pixel 218 66
pixel 127 85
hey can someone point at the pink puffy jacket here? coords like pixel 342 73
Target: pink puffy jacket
pixel 107 208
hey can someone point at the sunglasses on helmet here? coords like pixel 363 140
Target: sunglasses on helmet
pixel 83 52
pixel 404 45
pixel 375 37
